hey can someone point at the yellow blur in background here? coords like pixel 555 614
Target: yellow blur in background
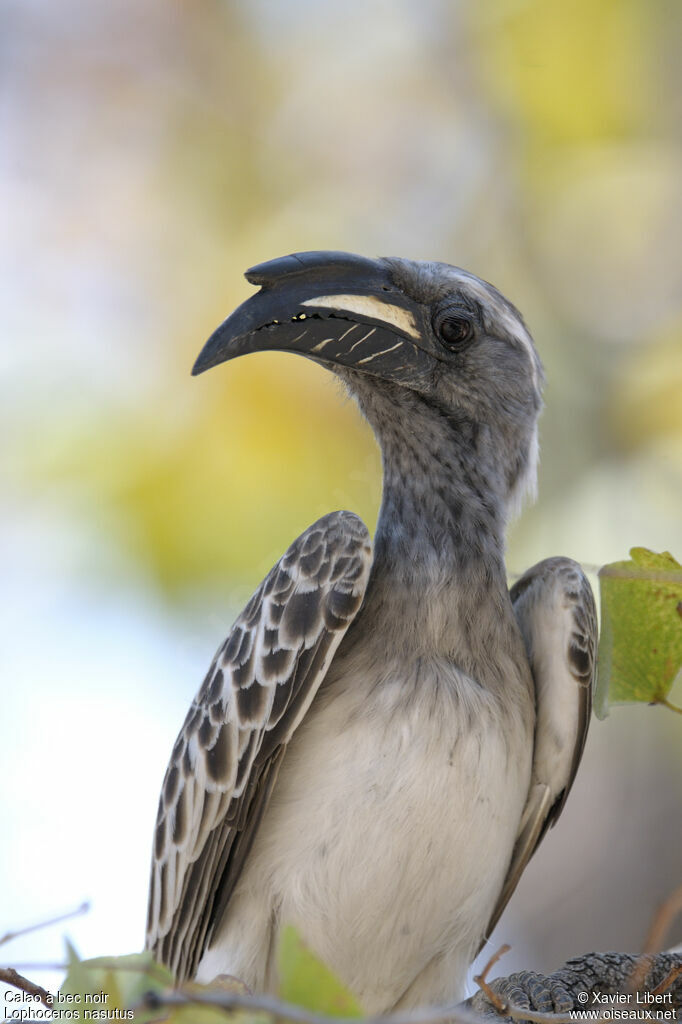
pixel 151 153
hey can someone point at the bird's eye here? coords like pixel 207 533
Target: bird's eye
pixel 454 328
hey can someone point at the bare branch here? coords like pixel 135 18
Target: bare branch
pixel 11 977
pixel 83 909
pixel 459 1014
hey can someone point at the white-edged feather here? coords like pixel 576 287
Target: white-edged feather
pixel 227 755
pixel 555 610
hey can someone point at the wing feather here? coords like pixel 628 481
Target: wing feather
pixel 554 607
pixel 227 755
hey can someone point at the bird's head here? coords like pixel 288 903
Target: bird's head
pixel 422 345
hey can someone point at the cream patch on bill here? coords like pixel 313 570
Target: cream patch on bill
pixel 367 305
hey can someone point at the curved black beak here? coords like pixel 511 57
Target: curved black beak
pixel 333 307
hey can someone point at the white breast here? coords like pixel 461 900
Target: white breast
pixel 387 838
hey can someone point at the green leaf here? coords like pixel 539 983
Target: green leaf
pixel 95 989
pixel 109 983
pixel 640 649
pixel 307 982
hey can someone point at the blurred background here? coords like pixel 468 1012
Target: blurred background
pixel 150 152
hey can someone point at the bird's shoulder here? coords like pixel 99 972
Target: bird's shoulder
pixel 226 756
pixel 555 610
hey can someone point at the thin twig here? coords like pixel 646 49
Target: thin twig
pixel 655 938
pixel 286 1011
pixel 41 966
pixel 667 982
pixel 11 977
pixel 663 919
pixel 669 704
pixel 100 963
pixel 482 982
pixel 458 1014
pixel 83 909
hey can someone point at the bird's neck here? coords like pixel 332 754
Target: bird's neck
pixel 442 514
pixel 434 525
pixel 438 575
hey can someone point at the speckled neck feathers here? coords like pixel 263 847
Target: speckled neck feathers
pixel 438 566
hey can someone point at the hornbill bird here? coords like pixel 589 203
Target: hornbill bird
pixel 386 733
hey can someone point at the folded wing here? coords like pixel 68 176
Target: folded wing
pixel 554 607
pixel 227 755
